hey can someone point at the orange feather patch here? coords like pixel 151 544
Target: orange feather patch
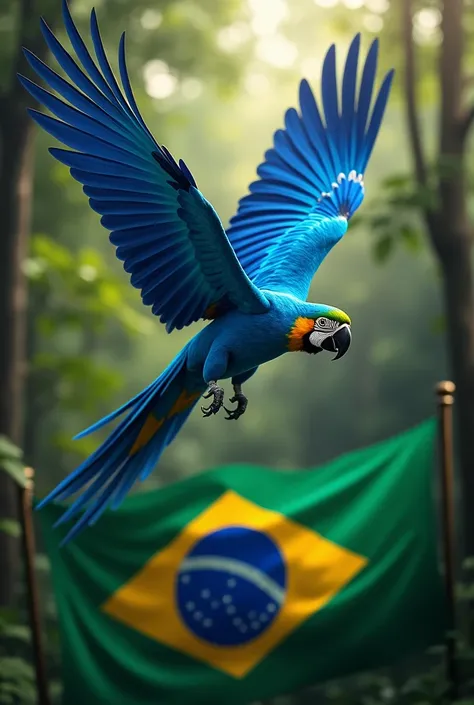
pixel 211 312
pixel 301 327
pixel 152 424
pixel 183 402
pixel 147 431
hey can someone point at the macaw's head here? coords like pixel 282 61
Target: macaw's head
pixel 327 329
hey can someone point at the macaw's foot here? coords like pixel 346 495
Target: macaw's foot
pixel 218 393
pixel 242 402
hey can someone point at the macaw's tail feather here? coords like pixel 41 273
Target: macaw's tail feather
pixel 132 449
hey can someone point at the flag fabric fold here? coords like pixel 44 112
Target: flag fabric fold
pixel 243 583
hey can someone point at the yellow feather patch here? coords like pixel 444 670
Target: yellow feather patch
pixel 300 328
pixel 339 315
pixel 147 431
pixel 183 402
pixel 152 424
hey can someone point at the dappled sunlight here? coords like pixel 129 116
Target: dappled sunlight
pixel 267 15
pixel 233 37
pixel 373 23
pixel 159 81
pixel 146 151
pixel 277 51
pixel 151 19
pixel 426 26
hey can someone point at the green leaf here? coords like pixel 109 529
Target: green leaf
pixel 9 449
pixel 381 221
pixel 91 257
pixel 56 256
pixel 11 461
pixel 46 326
pixel 398 181
pixel 15 668
pixel 15 470
pixel 411 238
pixel 383 248
pixel 468 563
pixel 16 682
pixel 42 563
pixel 10 527
pixel 18 632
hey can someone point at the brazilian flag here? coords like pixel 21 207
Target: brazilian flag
pixel 244 583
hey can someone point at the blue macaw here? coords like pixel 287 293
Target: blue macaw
pixel 251 281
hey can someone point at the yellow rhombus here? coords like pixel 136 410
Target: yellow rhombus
pixel 317 569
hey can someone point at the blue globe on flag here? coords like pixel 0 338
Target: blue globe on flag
pixel 231 586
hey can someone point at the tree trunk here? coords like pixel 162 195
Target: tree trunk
pixel 16 176
pixel 15 197
pixel 448 227
pixel 458 298
pixel 452 241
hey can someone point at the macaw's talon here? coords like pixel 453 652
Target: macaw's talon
pixel 218 393
pixel 242 402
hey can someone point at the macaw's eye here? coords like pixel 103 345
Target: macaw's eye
pixel 322 322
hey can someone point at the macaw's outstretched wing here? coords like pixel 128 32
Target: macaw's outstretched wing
pixel 169 237
pixel 312 181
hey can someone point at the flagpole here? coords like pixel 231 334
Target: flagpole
pixel 445 393
pixel 28 539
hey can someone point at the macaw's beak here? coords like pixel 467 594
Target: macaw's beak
pixel 339 342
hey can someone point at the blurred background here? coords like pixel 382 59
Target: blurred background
pixel 213 79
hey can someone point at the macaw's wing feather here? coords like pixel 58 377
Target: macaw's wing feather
pixel 168 235
pixel 311 182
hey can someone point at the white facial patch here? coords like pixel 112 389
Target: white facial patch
pixel 317 337
pixel 323 328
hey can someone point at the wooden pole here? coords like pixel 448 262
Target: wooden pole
pixel 28 539
pixel 445 393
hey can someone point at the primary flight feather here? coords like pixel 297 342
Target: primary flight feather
pixel 251 281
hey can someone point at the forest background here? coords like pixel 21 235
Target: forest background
pixel 213 79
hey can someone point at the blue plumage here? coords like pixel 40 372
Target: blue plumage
pixel 316 165
pixel 110 139
pixel 112 469
pixel 252 280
